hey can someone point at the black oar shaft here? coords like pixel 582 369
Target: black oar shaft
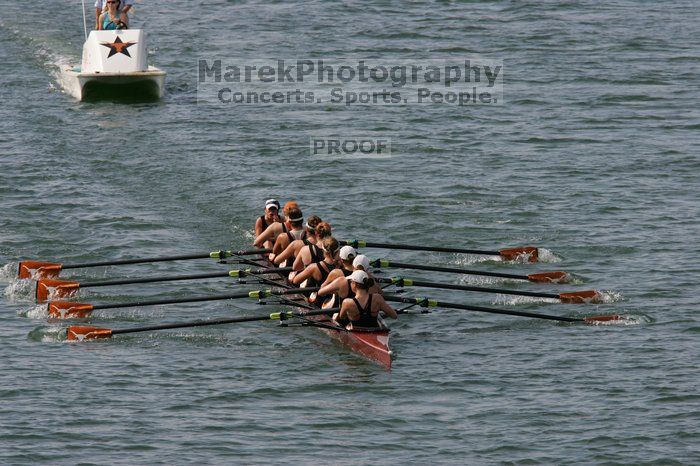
pixel 479 289
pixel 172 278
pixel 199 299
pixel 434 268
pixel 144 260
pixel 204 323
pixel 410 247
pixel 465 307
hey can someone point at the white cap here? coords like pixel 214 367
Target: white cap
pixel 272 203
pixel 361 260
pixel 359 276
pixel 347 251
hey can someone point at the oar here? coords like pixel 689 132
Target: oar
pixel 47 288
pixel 427 302
pixel 70 309
pixel 541 277
pixel 41 269
pixel 83 332
pixel 527 252
pixel 572 297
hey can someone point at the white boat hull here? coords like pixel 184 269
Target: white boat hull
pixel 147 84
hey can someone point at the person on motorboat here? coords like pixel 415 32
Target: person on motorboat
pixel 272 207
pixel 102 6
pixel 112 18
pixel 364 308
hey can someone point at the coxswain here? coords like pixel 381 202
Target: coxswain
pixel 363 310
pixel 277 228
pixel 287 246
pixel 272 207
pixel 318 271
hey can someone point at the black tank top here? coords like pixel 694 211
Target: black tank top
pixel 316 254
pixel 264 223
pixel 366 319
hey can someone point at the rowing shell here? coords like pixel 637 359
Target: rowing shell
pixel 371 343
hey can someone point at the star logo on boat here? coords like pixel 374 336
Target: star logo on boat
pixel 118 47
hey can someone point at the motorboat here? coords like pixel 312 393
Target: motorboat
pixel 114 64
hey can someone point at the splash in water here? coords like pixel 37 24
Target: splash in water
pixel 20 290
pixel 9 271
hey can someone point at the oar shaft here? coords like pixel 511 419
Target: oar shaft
pixel 233 320
pixel 172 278
pixel 200 323
pixel 434 268
pixel 410 247
pixel 247 294
pixel 143 260
pixel 465 307
pixel 479 289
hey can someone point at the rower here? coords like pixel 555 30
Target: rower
pixel 363 310
pixel 339 288
pixel 277 228
pixel 312 252
pixel 318 271
pixel 290 247
pixel 292 230
pixel 347 255
pixel 272 207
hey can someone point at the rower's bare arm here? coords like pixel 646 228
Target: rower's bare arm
pixel 386 308
pixel 288 253
pixel 330 288
pixel 298 262
pixel 268 234
pixel 304 274
pixel 344 310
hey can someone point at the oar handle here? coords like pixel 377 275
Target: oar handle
pixel 434 303
pixel 410 247
pixel 433 268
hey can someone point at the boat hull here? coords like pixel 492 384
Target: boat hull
pixel 135 85
pixel 373 344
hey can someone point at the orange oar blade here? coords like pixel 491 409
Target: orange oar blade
pixel 549 277
pixel 581 297
pixel 527 252
pixel 37 269
pixel 49 289
pixel 69 309
pixel 596 319
pixel 83 332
